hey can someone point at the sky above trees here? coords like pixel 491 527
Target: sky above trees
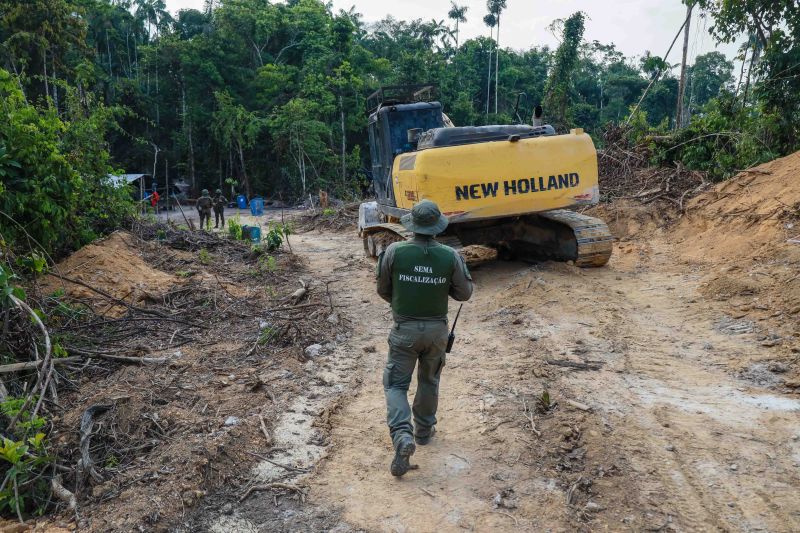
pixel 635 26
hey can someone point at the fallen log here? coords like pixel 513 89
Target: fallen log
pixel 86 465
pixel 63 494
pixel 129 359
pixel 32 365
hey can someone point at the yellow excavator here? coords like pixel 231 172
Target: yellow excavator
pixel 505 188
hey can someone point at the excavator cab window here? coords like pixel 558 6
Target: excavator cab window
pixel 388 137
pixel 380 172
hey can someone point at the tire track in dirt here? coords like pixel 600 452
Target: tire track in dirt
pixel 685 410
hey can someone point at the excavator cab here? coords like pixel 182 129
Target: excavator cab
pixel 394 111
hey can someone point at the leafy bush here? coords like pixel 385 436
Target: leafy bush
pixel 267 263
pixel 7 289
pixel 24 462
pixel 235 228
pixel 276 235
pixel 54 189
pixel 23 456
pixel 721 140
pixel 204 256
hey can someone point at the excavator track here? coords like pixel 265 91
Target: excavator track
pixel 379 236
pixel 595 242
pixel 591 244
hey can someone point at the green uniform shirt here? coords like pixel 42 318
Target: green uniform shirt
pixel 417 277
pixel 204 203
pixel 220 202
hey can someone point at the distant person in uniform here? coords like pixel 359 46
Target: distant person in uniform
pixel 219 208
pixel 417 277
pixel 204 206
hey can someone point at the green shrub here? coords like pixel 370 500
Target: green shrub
pixel 235 228
pixel 268 334
pixel 23 464
pixel 204 256
pixel 276 235
pixel 267 263
pixel 721 140
pixel 54 190
pixel 33 264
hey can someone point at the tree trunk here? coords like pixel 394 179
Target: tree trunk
pixel 231 170
pixel 155 160
pixel 245 179
pixel 682 83
pixel 108 51
pixel 136 62
pixel 753 58
pixel 187 127
pixel 46 83
pixel 344 143
pixel 129 74
pixel 741 71
pixel 301 167
pixel 55 87
pixel 496 63
pixel 166 184
pixel 158 109
pixel 19 80
pixel 489 77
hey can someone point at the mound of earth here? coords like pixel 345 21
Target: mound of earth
pixel 114 266
pixel 748 230
pixel 753 216
pixel 630 218
pixel 740 237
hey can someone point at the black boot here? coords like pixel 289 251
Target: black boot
pixel 424 439
pixel 404 451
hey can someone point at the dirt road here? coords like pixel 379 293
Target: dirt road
pixel 673 438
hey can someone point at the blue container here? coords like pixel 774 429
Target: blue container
pixel 257 207
pixel 255 234
pixel 241 201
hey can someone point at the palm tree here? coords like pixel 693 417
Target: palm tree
pixel 458 14
pixel 490 20
pixel 155 13
pixel 496 7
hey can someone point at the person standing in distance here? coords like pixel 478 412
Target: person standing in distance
pixel 417 277
pixel 204 205
pixel 219 208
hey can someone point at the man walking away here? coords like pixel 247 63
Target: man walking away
pixel 219 208
pixel 417 277
pixel 204 205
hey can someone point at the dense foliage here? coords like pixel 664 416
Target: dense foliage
pixel 271 96
pixel 54 193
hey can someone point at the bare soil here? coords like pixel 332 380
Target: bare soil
pixel 659 393
pixel 671 406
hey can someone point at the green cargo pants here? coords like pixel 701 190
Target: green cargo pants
pixel 205 218
pixel 410 341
